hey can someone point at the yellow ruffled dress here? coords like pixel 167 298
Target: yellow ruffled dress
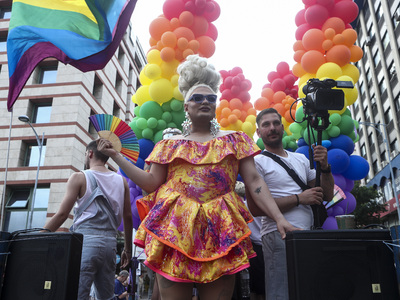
pixel 194 226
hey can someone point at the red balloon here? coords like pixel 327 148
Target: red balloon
pixel 316 15
pixel 289 79
pixel 278 85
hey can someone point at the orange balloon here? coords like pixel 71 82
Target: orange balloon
pixel 298 45
pixel 169 39
pixel 329 33
pixel 186 18
pixel 182 43
pixel 224 122
pixel 312 39
pixel 237 113
pixel 339 39
pixel 312 60
pixel 175 23
pixel 339 54
pixel 178 54
pixel 350 37
pixel 218 112
pixel 279 108
pixel 187 52
pixel 235 103
pixel 158 26
pixel 199 26
pixel 160 45
pixel 207 46
pixel 298 55
pixel 232 119
pixel 152 42
pixel 267 93
pixel 224 103
pixel 298 70
pixel 251 111
pixel 243 116
pixel 226 112
pixel 335 23
pixel 356 53
pixel 194 45
pixel 288 115
pixel 247 105
pixel 184 32
pixel 167 54
pixel 327 44
pixel 261 103
pixel 279 96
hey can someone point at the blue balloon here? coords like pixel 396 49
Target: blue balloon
pixel 301 142
pixel 120 171
pixel 339 160
pixel 303 150
pixel 239 178
pixel 140 163
pixel 146 146
pixel 326 143
pixel 343 142
pixel 358 168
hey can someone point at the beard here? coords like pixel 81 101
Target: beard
pixel 275 143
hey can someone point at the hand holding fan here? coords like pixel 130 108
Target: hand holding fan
pixel 118 133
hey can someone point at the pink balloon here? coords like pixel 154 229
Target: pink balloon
pixel 299 19
pixel 244 96
pixel 316 15
pixel 289 80
pixel 346 10
pixel 226 94
pixel 224 73
pixel 278 85
pixel 283 68
pixel 173 8
pixel 235 90
pixel 272 76
pixel 214 14
pixel 236 80
pixel 212 31
pixel 236 71
pixel 309 2
pixel 228 82
pixel 301 30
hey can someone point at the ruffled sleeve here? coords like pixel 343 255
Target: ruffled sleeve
pixel 238 144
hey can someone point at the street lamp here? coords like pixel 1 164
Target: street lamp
pixel 25 119
pixel 385 140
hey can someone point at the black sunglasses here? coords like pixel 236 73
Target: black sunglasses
pixel 199 98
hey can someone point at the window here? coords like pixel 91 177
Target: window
pixel 5 12
pixel 92 131
pixel 32 154
pixel 47 74
pixel 19 206
pixel 363 151
pixel 118 84
pixel 41 113
pixel 3 44
pixel 377 58
pixel 387 190
pixel 116 110
pixel 382 86
pixel 385 40
pixel 97 88
pixel 387 116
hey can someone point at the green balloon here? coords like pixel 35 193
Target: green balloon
pixel 334 131
pixel 260 144
pixel 171 125
pixel 353 136
pixel 292 145
pixel 166 116
pixel 295 128
pixel 313 137
pixel 147 133
pixel 284 144
pixel 152 123
pixel 166 106
pixel 176 105
pixel 136 130
pixel 141 123
pixel 178 117
pixel 151 109
pixel 161 125
pixel 347 112
pixel 136 111
pixel 346 125
pixel 300 117
pixel 158 136
pixel 335 119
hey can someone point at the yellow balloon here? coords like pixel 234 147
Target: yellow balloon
pixel 142 94
pixel 251 119
pixel 153 57
pixel 352 71
pixel 177 94
pixel 134 99
pixel 174 80
pixel 144 80
pixel 168 69
pixel 301 94
pixel 161 90
pixel 247 127
pixel 153 71
pixel 305 77
pixel 329 70
pixel 350 95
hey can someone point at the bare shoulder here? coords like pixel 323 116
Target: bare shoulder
pixel 225 132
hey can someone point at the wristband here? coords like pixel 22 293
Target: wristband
pixel 298 199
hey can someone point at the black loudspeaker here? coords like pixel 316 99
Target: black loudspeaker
pixel 43 266
pixel 341 264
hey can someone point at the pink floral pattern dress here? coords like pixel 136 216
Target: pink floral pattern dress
pixel 194 226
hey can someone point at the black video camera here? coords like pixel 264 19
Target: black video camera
pixel 320 97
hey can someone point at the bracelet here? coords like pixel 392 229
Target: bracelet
pixel 298 199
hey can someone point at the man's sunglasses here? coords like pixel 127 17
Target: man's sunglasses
pixel 199 98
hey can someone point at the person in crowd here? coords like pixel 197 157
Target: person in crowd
pixel 194 226
pixel 101 198
pixel 119 286
pixel 289 196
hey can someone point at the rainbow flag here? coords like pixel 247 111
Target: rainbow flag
pixel 84 34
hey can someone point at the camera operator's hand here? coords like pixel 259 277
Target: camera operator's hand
pixel 311 196
pixel 321 155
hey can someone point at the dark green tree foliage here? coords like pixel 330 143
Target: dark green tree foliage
pixel 368 210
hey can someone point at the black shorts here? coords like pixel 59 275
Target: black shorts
pixel 257 272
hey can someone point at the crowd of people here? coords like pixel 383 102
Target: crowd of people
pixel 194 227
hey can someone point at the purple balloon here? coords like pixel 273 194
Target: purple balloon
pixel 131 184
pixel 349 185
pixel 340 181
pixel 134 193
pixel 348 204
pixel 330 223
pixel 136 222
pixel 121 226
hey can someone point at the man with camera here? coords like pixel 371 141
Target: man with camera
pixel 294 202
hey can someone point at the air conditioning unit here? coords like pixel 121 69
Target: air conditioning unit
pixel 368 41
pixel 394 153
pixel 397 16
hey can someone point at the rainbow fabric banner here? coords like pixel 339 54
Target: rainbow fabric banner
pixel 84 34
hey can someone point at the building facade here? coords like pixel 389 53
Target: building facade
pixel 58 99
pixel 378 105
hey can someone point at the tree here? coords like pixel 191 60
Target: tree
pixel 368 209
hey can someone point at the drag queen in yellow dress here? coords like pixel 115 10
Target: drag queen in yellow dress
pixel 194 226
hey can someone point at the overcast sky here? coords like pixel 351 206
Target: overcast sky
pixel 255 35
